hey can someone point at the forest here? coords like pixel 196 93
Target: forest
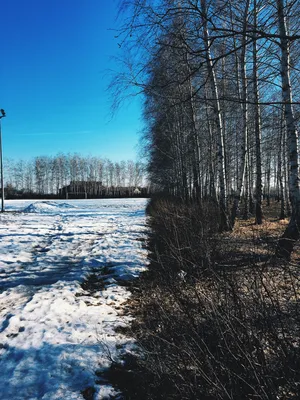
pixel 220 110
pixel 45 175
pixel 217 313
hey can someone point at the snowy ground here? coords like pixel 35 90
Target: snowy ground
pixel 54 333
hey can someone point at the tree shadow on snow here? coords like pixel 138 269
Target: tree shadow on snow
pixel 43 371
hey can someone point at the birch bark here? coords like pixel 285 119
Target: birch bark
pixel 291 234
pixel 257 126
pixel 244 138
pixel 224 223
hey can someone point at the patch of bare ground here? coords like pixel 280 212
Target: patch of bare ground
pixel 216 316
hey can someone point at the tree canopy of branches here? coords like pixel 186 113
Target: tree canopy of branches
pixel 220 110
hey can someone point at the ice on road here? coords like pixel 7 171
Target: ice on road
pixel 55 333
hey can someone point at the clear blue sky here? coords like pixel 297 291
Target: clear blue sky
pixel 53 80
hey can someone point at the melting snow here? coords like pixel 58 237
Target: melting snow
pixel 54 334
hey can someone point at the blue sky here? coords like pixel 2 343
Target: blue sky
pixel 53 79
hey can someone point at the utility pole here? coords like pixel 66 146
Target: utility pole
pixel 1 161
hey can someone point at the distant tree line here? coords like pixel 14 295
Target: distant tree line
pixel 45 175
pixel 217 79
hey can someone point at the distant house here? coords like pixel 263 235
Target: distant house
pixel 95 189
pixel 82 189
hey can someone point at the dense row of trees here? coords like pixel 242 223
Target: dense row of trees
pixel 217 78
pixel 45 175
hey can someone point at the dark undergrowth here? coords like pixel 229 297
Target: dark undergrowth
pixel 217 316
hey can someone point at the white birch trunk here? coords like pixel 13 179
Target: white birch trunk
pixel 257 127
pixel 292 231
pixel 218 120
pixel 244 139
pixel 281 170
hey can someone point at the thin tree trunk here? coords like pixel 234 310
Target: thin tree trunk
pixel 257 128
pixel 280 171
pixel 286 174
pixel 196 152
pixel 244 139
pixel 212 182
pixel 291 234
pixel 224 223
pixel 268 179
pixel 246 191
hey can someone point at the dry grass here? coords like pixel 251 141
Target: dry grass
pixel 249 230
pixel 253 247
pixel 257 242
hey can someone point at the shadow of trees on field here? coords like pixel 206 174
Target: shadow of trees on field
pixel 30 274
pixel 42 372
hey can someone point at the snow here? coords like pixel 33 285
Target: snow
pixel 55 333
pixel 47 207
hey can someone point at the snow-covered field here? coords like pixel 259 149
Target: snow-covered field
pixel 55 333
